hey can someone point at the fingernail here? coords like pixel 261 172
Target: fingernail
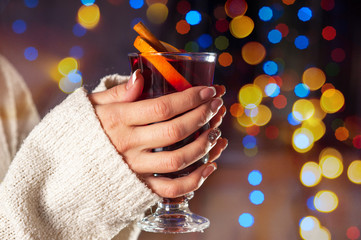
pixel 213 135
pixel 216 104
pixel 207 93
pixel 132 79
pixel 209 169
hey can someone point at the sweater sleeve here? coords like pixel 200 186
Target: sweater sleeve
pixel 67 181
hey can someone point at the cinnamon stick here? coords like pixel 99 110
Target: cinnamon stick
pixel 146 34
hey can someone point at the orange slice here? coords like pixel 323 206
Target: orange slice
pixel 162 65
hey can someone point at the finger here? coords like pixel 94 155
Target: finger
pixel 122 93
pixel 216 151
pixel 217 119
pixel 220 89
pixel 166 107
pixel 172 131
pixel 172 161
pixel 172 188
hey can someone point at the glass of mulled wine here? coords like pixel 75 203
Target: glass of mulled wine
pixel 166 73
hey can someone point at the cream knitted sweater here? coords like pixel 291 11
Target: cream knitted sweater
pixel 66 181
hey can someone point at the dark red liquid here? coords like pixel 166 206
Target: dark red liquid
pixel 197 73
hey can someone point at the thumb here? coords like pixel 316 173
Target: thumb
pixel 126 92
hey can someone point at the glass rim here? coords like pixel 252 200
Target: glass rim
pixel 199 54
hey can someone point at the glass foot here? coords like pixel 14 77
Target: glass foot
pixel 173 218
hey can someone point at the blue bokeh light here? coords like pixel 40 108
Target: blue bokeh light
pixel 301 42
pixel 76 52
pixel 31 53
pixel 255 178
pixel 307 224
pixel 78 30
pixel 205 41
pixel 31 3
pixel 74 77
pixel 304 14
pixel 274 36
pixel 87 2
pixel 302 90
pixel 136 4
pixel 249 142
pixel 292 120
pixel 256 197
pixel 19 26
pixel 310 203
pixel 270 68
pixel 265 13
pixel 246 220
pixel 193 17
pixel 272 90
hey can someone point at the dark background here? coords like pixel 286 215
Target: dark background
pixel 224 197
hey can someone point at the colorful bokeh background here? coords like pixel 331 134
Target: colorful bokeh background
pixel 292 71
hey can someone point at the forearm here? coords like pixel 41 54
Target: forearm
pixel 69 182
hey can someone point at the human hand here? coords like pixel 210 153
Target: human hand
pixel 136 127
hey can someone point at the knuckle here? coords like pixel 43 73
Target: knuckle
pixel 161 109
pixel 174 162
pixel 174 132
pixel 115 92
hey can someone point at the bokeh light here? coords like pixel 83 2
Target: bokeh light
pixel 283 28
pixel 292 120
pixel 314 78
pixel 272 132
pixel 265 13
pixel 225 59
pixel 31 3
pixel 356 141
pixel 310 174
pixel 157 13
pixel 342 134
pixel 150 2
pixel 79 30
pixel 325 201
pixel 19 26
pixel 253 53
pixel 272 90
pixel 288 2
pixel 274 36
pixel 329 33
pixel 235 8
pixel 250 96
pixel 302 90
pixel 280 101
pixel 301 42
pixel 332 100
pixel 327 5
pixel 303 109
pixel 205 40
pixel 338 55
pixel 331 166
pixel 304 14
pixel 256 197
pixel 76 52
pixel 309 226
pixel 241 26
pixel 353 233
pixel 246 220
pixel 183 27
pixel 183 7
pixel 193 17
pixel 354 172
pixel 236 110
pixel 87 2
pixel 221 42
pixel 192 47
pixel 249 142
pixel 31 53
pixel 255 177
pixel 222 25
pixel 302 140
pixel 316 126
pixel 88 16
pixel 136 4
pixel 68 65
pixel 270 68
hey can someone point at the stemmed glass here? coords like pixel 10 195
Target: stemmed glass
pixel 166 73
